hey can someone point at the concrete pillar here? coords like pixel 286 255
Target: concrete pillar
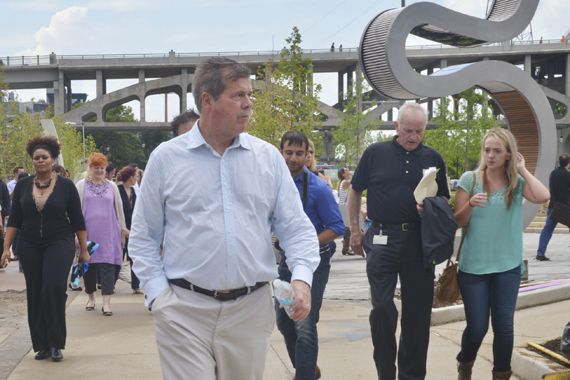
pixel 391 115
pixel 443 63
pixel 101 83
pixel 59 94
pixel 567 75
pixel 349 80
pixel 142 77
pixel 184 94
pixel 341 89
pixel 68 96
pixel 56 99
pixel 528 64
pixel 550 70
pixel 430 100
pixel 142 104
pixel 328 145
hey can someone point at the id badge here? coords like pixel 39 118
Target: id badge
pixel 380 239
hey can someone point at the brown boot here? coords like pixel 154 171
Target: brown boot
pixel 346 248
pixel 317 374
pixel 464 369
pixel 502 375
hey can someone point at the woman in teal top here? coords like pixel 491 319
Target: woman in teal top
pixel 490 264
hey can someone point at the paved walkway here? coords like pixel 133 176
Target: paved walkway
pixel 122 346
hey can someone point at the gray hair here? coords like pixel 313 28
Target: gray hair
pixel 212 75
pixel 411 106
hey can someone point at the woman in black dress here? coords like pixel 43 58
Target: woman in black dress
pixel 47 213
pixel 128 177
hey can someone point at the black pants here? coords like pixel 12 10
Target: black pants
pixel 107 273
pixel 46 268
pixel 401 256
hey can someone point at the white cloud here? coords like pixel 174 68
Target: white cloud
pixel 68 29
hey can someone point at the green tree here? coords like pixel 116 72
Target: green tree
pixel 71 140
pixel 123 148
pixel 354 132
pixel 18 129
pixel 460 130
pixel 284 97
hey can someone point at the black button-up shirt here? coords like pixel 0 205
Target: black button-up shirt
pixel 559 187
pixel 391 174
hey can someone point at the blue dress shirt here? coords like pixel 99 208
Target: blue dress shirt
pixel 214 216
pixel 321 208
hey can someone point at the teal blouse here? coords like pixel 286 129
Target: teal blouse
pixel 493 242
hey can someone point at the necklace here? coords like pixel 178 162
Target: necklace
pixel 45 185
pixel 97 190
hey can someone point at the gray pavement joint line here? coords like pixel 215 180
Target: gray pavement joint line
pixel 281 360
pixel 16 346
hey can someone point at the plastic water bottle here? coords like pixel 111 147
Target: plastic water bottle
pixel 285 295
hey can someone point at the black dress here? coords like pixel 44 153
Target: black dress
pixel 46 247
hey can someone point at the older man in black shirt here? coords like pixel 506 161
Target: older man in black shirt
pixel 391 171
pixel 559 184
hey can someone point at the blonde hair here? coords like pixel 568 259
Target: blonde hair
pixel 313 166
pixel 507 140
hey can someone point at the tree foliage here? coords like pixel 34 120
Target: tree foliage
pixel 284 97
pixel 460 130
pixel 124 148
pixel 354 132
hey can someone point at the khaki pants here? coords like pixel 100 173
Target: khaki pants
pixel 199 337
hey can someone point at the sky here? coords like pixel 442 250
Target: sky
pixel 65 27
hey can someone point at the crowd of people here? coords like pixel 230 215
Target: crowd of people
pixel 197 232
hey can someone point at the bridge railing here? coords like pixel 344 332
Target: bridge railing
pixel 53 59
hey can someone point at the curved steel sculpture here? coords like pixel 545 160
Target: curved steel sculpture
pixel 526 108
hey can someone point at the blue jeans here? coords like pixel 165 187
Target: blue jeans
pixel 301 338
pixel 546 234
pixel 497 293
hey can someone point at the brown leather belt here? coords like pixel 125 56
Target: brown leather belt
pixel 228 295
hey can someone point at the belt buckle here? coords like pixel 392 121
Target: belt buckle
pixel 405 227
pixel 216 292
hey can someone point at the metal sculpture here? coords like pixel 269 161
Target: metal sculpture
pixel 524 105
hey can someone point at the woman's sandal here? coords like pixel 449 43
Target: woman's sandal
pixel 106 313
pixel 89 308
pixel 138 291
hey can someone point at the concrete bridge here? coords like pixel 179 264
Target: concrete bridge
pixel 546 61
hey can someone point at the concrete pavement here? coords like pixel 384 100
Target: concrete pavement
pixel 122 346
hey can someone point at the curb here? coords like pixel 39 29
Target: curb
pixel 556 293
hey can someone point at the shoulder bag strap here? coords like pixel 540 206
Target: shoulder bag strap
pixel 466 226
pixel 305 196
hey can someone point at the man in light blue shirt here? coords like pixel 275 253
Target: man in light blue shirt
pixel 12 184
pixel 212 197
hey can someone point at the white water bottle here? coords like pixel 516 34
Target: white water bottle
pixel 285 295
